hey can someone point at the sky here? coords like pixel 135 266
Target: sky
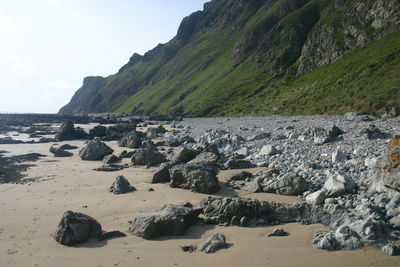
pixel 47 47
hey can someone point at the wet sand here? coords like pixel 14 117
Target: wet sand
pixel 30 213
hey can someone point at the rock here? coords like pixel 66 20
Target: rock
pixel 205 158
pixel 66 131
pixel 254 186
pixel 110 159
pixel 278 232
pixel 169 220
pixel 98 131
pixel 235 163
pixel 339 184
pixel 316 198
pixel 343 238
pixel 213 243
pixel 125 154
pixel 68 147
pixel 9 141
pixel 356 116
pixel 259 136
pixel 368 231
pixel 240 176
pixel 80 133
pixel 288 184
pixel 268 150
pixel 76 227
pixel 147 156
pixel 372 132
pixel 95 150
pixel 130 140
pixel 391 250
pixel 395 222
pixel 195 177
pixel 121 186
pixel 184 154
pixel 162 173
pixel 223 140
pixel 109 168
pixel 60 152
pixel 339 156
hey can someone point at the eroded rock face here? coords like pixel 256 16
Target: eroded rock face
pixel 95 150
pixel 169 220
pixel 195 177
pixel 147 156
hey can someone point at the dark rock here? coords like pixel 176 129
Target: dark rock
pixel 58 152
pixel 195 177
pixel 234 163
pixel 66 131
pixel 76 227
pixel 95 150
pixel 184 154
pixel 9 141
pixel 109 168
pixel 68 147
pixel 391 250
pixel 278 232
pixel 130 140
pixel 121 186
pixel 110 159
pixel 162 173
pixel 125 154
pixel 372 132
pixel 147 156
pixel 98 131
pixel 169 220
pixel 240 176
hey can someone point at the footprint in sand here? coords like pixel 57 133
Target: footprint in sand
pixel 11 251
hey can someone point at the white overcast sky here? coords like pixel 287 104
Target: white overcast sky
pixel 47 47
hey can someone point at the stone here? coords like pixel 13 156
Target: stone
pixel 125 154
pixel 169 220
pixel 234 163
pixel 288 184
pixel 121 186
pixel 259 136
pixel 316 198
pixel 213 243
pixel 339 184
pixel 391 250
pixel 195 177
pixel 58 152
pixel 147 156
pixel 110 159
pixel 268 150
pixel 395 222
pixel 66 131
pixel 240 176
pixel 75 228
pixel 205 158
pixel 162 175
pixel 339 156
pixel 98 131
pixel 254 186
pixel 95 150
pixel 130 140
pixel 184 154
pixel 278 232
pixel 68 147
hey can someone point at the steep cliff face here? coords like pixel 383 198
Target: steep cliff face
pixel 258 57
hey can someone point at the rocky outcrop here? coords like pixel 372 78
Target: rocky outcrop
pixel 169 220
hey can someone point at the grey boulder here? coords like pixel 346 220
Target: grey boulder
pixel 121 186
pixel 147 156
pixel 95 150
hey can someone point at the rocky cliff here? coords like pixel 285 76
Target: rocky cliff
pixel 258 57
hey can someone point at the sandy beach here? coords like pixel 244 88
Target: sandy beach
pixel 30 213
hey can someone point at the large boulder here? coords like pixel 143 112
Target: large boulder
pixel 130 140
pixel 66 131
pixel 339 184
pixel 161 175
pixel 95 150
pixel 98 131
pixel 121 186
pixel 344 238
pixel 147 156
pixel 169 220
pixel 288 184
pixel 195 177
pixel 184 154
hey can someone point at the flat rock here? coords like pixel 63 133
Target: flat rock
pixel 58 152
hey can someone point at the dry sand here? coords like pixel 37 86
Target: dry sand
pixel 30 213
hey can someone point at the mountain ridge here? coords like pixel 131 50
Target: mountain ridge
pixel 260 57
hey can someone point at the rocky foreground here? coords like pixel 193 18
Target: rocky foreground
pixel 344 171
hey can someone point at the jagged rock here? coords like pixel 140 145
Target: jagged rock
pixel 66 131
pixel 147 156
pixel 162 173
pixel 368 231
pixel 58 152
pixel 205 158
pixel 195 177
pixel 338 184
pixel 316 198
pixel 184 154
pixel 213 243
pixel 125 154
pixel 259 136
pixel 391 250
pixel 76 227
pixel 287 184
pixel 174 140
pixel 339 156
pixel 121 186
pixel 95 150
pixel 240 176
pixel 110 159
pixel 130 140
pixel 224 141
pixel 169 220
pixel 117 131
pixel 268 150
pixel 278 232
pixel 238 163
pixel 80 133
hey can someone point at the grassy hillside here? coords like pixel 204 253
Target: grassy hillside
pixel 243 58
